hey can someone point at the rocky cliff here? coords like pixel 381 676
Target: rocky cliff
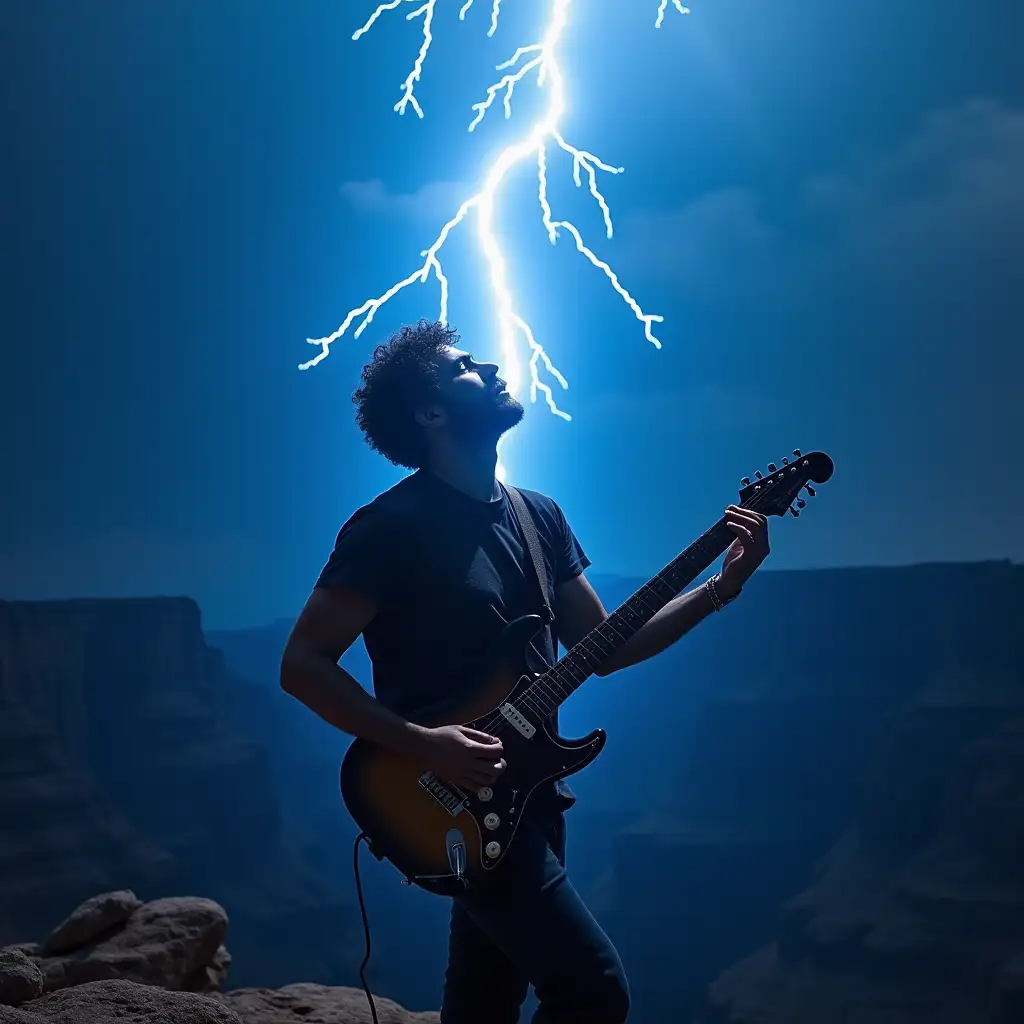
pixel 917 914
pixel 130 756
pixel 60 834
pixel 772 765
pixel 120 768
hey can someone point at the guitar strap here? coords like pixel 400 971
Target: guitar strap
pixel 529 531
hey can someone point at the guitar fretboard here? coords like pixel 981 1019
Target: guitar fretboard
pixel 580 662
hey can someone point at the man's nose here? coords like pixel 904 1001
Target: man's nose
pixel 489 370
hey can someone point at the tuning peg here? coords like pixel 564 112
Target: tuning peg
pixel 800 502
pixel 745 480
pixel 796 515
pixel 810 490
pixel 757 474
pixel 785 462
pixel 772 467
pixel 796 452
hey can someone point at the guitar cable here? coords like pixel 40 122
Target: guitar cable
pixel 363 837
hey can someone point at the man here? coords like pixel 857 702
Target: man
pixel 428 573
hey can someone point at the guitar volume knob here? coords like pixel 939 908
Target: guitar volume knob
pixel 485 794
pixel 492 849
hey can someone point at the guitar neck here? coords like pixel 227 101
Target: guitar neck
pixel 581 661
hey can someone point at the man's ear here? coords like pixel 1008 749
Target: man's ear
pixel 431 416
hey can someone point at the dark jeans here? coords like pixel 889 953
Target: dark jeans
pixel 527 925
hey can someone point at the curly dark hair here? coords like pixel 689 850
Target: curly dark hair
pixel 401 375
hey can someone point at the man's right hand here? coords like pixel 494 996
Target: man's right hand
pixel 463 756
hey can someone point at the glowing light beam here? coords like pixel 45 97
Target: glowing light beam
pixel 542 59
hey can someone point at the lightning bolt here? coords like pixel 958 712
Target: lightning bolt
pixel 544 135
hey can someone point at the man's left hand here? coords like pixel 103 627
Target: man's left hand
pixel 747 552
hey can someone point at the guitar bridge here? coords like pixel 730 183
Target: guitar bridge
pixel 451 799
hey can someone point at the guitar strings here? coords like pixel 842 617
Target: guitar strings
pixel 498 722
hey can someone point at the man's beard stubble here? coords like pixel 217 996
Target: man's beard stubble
pixel 485 422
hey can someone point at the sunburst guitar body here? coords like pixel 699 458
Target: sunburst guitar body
pixel 442 837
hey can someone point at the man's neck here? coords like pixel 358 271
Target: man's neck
pixel 469 471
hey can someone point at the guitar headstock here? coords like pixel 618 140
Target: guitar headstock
pixel 779 491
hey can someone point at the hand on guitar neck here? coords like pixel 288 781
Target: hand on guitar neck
pixel 746 553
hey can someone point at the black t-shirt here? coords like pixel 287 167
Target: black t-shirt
pixel 447 572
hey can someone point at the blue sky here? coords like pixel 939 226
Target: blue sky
pixel 825 202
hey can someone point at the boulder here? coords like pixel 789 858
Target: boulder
pixel 20 979
pixel 167 942
pixel 90 921
pixel 126 962
pixel 212 976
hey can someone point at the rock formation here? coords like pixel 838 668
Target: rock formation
pixel 20 978
pixel 116 959
pixel 61 835
pixel 917 916
pixel 772 760
pixel 119 767
pixel 130 756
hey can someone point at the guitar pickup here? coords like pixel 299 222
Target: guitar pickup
pixel 518 721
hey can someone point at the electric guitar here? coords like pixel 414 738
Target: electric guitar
pixel 444 838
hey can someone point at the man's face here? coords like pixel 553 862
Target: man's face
pixel 473 398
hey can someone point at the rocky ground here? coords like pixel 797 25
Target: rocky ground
pixel 117 959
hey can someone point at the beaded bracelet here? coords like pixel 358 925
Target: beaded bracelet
pixel 711 585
